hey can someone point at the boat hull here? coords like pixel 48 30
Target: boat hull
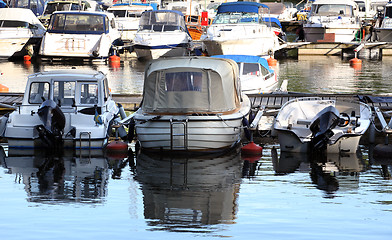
pixel 384 34
pixel 155 52
pixel 329 34
pixel 289 142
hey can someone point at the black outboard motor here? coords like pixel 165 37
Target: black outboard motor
pixel 321 127
pixel 53 119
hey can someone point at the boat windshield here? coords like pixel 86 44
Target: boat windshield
pixel 235 18
pixel 13 24
pixel 39 92
pixel 78 23
pixel 52 7
pixel 125 13
pixel 161 21
pixel 332 10
pixel 64 93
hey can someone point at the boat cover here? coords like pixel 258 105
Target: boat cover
pixel 240 7
pixel 247 59
pixel 272 19
pixel 20 14
pixel 187 85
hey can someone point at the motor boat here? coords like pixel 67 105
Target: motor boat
pixel 191 104
pixel 70 108
pixel 80 34
pixel 127 16
pixel 332 21
pixel 313 124
pixel 255 74
pixel 239 28
pixel 63 5
pixel 20 32
pixel 383 28
pixel 162 33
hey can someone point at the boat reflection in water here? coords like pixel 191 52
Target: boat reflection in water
pixel 330 172
pixel 70 177
pixel 183 193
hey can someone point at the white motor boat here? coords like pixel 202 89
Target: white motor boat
pixel 239 28
pixel 312 124
pixel 191 104
pixel 162 33
pixel 384 29
pixel 20 32
pixel 127 17
pixel 332 21
pixel 255 74
pixel 73 108
pixel 80 34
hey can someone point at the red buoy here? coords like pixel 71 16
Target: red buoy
pixel 272 61
pixel 26 57
pixel 355 62
pixel 117 146
pixel 252 149
pixel 114 58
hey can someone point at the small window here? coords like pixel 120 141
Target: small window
pixel 183 81
pixel 89 94
pixel 64 93
pixel 39 92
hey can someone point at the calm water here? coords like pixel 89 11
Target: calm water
pixel 92 195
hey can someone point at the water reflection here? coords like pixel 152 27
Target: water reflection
pixel 189 193
pixel 330 172
pixel 72 176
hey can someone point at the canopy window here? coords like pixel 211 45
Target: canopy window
pixel 64 93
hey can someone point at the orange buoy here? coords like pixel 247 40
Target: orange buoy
pixel 355 61
pixel 251 149
pixel 26 57
pixel 114 58
pixel 272 61
pixel 4 88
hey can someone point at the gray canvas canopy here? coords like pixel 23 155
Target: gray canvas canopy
pixel 186 85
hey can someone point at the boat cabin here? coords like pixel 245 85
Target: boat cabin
pixel 162 21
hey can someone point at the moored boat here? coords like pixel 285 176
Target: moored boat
pixel 127 17
pixel 80 34
pixel 239 28
pixel 71 108
pixel 384 29
pixel 255 74
pixel 20 32
pixel 162 33
pixel 191 104
pixel 332 21
pixel 312 124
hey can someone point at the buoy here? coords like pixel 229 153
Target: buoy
pixel 117 146
pixel 272 61
pixel 355 62
pixel 252 149
pixel 4 88
pixel 26 58
pixel 114 58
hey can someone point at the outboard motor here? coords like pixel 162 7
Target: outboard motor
pixel 321 127
pixel 51 131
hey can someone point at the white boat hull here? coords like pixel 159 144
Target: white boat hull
pixel 161 44
pixel 292 125
pixel 10 47
pixel 191 133
pixel 338 34
pixel 251 39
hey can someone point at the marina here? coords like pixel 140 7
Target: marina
pixel 133 143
